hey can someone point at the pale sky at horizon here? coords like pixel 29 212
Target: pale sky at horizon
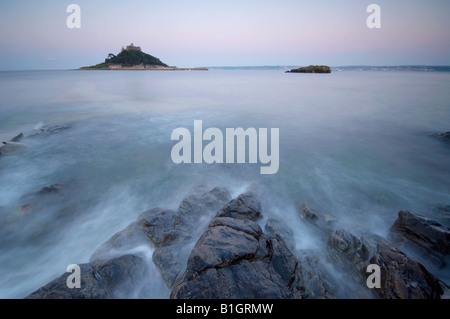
pixel 193 33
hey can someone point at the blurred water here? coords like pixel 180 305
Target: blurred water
pixel 352 144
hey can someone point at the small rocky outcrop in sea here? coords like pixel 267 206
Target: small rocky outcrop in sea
pixel 16 144
pixel 312 69
pixel 13 145
pixel 445 136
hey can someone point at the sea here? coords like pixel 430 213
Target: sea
pixel 357 145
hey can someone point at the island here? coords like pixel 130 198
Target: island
pixel 312 69
pixel 131 57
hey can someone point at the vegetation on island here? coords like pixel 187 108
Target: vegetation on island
pixel 312 69
pixel 128 58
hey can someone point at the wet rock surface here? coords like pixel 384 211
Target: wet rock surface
pixel 322 222
pixel 403 277
pixel 235 259
pixel 423 231
pixel 116 278
pixel 213 246
pixel 275 226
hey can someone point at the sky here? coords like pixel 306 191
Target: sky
pixel 194 33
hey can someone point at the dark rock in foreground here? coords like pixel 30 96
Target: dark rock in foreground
pixel 423 231
pixel 168 231
pixel 47 130
pixel 403 277
pixel 115 278
pixel 312 69
pixel 235 259
pixel 246 206
pixel 317 282
pixel 275 226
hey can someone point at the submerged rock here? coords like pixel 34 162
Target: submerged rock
pixel 323 222
pixel 47 196
pixel 120 277
pixel 48 130
pixel 11 147
pixel 445 136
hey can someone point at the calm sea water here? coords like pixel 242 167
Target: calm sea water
pixel 355 145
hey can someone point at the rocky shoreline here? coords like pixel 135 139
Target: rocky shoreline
pixel 213 247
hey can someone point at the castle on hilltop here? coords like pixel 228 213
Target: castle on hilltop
pixel 131 47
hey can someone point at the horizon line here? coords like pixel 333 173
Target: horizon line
pixel 267 66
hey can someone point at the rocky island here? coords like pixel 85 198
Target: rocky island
pixel 312 69
pixel 131 57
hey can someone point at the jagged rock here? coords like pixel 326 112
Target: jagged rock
pixel 316 281
pixel 245 206
pixel 116 278
pixel 168 231
pixel 403 277
pixel 171 261
pixel 159 224
pixel 275 226
pixel 42 199
pixel 323 222
pixel 235 259
pixel 423 231
pixel 348 252
pixel 17 138
pixel 55 188
pixel 199 204
pixel 132 236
